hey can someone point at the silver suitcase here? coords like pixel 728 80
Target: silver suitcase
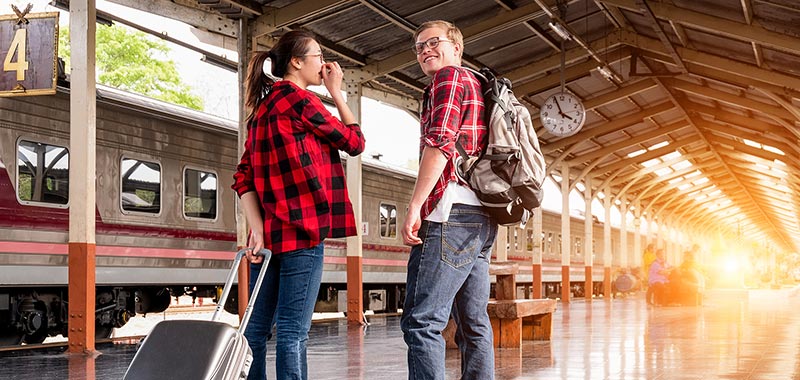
pixel 199 350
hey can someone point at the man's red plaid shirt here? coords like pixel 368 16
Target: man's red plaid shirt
pixel 452 108
pixel 292 161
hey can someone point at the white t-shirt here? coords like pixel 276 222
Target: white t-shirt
pixel 453 193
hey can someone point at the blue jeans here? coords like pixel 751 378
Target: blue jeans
pixel 286 300
pixel 448 272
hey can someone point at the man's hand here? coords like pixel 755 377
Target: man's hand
pixel 411 227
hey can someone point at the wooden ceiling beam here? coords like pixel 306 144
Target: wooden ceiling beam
pixel 715 25
pixel 502 21
pixel 729 98
pixel 622 145
pixel 605 128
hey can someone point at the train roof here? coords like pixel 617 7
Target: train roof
pixel 161 109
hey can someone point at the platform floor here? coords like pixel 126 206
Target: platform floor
pixel 735 335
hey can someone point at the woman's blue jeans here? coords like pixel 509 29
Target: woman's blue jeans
pixel 286 300
pixel 448 272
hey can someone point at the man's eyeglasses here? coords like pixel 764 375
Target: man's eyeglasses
pixel 431 43
pixel 321 57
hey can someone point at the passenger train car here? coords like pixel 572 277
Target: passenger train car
pixel 165 216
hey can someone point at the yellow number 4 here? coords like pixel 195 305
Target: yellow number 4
pixel 18 45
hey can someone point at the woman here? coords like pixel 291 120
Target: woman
pixel 291 184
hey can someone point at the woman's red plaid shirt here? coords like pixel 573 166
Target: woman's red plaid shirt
pixel 292 161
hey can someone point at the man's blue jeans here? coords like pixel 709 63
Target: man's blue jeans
pixel 286 300
pixel 450 270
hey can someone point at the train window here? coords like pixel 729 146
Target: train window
pixel 388 221
pixel 199 194
pixel 42 173
pixel 141 186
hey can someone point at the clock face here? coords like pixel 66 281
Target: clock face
pixel 562 114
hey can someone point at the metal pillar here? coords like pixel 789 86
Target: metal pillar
pixel 588 286
pixel 565 238
pixel 536 255
pixel 83 114
pixel 241 222
pixel 355 281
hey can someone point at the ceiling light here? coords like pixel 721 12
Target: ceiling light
pixel 560 30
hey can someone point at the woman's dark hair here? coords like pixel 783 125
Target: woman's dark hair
pixel 258 85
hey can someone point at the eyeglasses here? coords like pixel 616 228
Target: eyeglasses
pixel 431 43
pixel 321 57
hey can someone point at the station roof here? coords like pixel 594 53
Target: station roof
pixel 696 119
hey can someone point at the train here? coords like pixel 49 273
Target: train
pixel 165 217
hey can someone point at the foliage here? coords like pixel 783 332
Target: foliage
pixel 131 61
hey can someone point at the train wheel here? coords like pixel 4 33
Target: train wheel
pixel 34 320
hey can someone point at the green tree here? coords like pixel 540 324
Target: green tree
pixel 131 61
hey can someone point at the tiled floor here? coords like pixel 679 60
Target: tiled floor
pixel 735 335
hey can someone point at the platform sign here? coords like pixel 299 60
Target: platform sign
pixel 28 53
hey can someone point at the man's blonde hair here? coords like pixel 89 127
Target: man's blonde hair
pixel 453 33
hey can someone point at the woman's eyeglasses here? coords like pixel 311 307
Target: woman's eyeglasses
pixel 321 57
pixel 431 43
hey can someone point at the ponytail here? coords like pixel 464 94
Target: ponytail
pixel 258 83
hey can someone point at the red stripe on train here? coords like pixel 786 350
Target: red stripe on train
pixel 117 251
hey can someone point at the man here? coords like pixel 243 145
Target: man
pixel 451 236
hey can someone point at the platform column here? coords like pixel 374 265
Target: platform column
pixel 607 257
pixel 83 113
pixel 623 237
pixel 536 255
pixel 636 258
pixel 355 281
pixel 242 229
pixel 588 236
pixel 565 238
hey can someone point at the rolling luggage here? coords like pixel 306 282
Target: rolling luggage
pixel 199 350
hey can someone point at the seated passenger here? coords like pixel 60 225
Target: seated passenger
pixel 658 292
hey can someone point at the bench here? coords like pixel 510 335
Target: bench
pixel 512 319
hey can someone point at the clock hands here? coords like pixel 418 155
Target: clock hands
pixel 560 112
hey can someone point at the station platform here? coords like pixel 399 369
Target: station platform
pixel 735 334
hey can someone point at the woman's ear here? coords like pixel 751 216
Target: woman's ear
pixel 296 63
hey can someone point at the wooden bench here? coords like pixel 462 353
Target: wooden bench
pixel 512 319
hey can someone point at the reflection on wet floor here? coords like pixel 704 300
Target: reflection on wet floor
pixel 735 335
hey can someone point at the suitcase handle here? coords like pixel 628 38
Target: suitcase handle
pixel 226 290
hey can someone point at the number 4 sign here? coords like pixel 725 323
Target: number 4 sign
pixel 28 53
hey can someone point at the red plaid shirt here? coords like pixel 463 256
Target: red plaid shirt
pixel 291 160
pixel 452 108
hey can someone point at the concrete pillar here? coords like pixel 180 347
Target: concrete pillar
pixel 565 238
pixel 82 171
pixel 536 255
pixel 241 222
pixel 607 256
pixel 588 250
pixel 623 235
pixel 355 281
pixel 637 240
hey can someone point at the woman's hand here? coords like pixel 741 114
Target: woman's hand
pixel 332 77
pixel 256 244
